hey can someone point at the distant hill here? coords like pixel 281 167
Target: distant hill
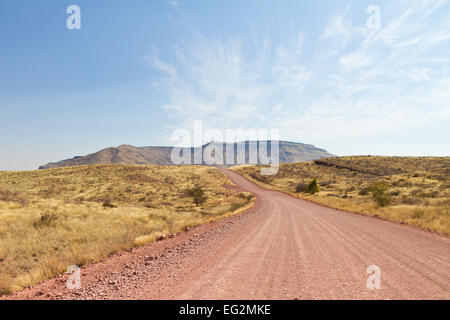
pixel 290 152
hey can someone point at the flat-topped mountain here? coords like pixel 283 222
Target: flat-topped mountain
pixel 290 152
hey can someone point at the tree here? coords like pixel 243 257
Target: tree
pixel 197 194
pixel 313 187
pixel 379 193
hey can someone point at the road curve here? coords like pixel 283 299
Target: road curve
pixel 284 248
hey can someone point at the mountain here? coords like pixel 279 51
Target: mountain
pixel 290 152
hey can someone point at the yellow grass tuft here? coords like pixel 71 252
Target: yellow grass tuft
pixel 143 240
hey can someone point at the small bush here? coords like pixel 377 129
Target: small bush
pixel 313 187
pixel 46 220
pixel 379 193
pixel 410 200
pixel 364 192
pixel 395 193
pixel 260 178
pixel 235 206
pixel 197 194
pixel 431 194
pixel 247 197
pixel 301 187
pixel 108 204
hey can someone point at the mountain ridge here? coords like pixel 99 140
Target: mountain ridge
pixel 290 152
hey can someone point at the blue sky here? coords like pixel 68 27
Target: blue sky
pixel 137 70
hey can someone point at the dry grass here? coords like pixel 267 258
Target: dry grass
pixel 419 188
pixel 52 219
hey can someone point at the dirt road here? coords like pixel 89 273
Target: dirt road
pixel 284 248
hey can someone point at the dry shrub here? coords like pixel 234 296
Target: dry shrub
pixel 301 187
pixel 108 204
pixel 46 220
pixel 14 196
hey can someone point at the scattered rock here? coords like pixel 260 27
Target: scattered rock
pixel 150 258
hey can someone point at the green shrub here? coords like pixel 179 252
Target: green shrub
pixel 379 193
pixel 313 187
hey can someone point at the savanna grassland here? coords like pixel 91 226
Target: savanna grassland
pixel 409 190
pixel 51 219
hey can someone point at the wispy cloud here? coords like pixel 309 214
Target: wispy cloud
pixel 216 81
pixel 173 3
pixel 337 26
pixel 355 60
pixel 370 81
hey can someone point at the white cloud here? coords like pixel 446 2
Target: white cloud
pixel 216 81
pixel 355 60
pixel 350 82
pixel 162 66
pixel 338 26
pixel 173 3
